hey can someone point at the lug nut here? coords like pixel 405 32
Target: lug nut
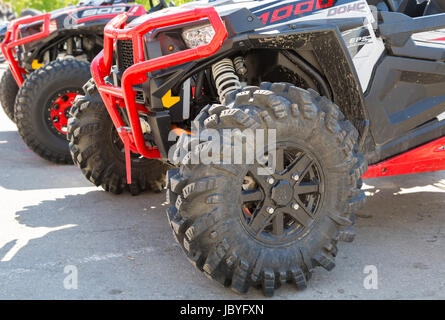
pixel 296 177
pixel 295 206
pixel 271 180
pixel 270 210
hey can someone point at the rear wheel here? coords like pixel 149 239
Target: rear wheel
pixel 98 151
pixel 43 104
pixel 8 93
pixel 244 229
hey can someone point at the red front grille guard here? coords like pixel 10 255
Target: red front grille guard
pixel 13 40
pixel 124 96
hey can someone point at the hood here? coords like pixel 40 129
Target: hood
pixel 74 10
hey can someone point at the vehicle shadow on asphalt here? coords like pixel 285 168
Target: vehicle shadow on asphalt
pixel 22 169
pixel 131 236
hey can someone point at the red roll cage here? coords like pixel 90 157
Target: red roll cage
pixel 13 40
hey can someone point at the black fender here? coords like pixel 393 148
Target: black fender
pixel 333 61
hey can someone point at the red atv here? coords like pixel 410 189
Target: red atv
pixel 49 59
pixel 337 84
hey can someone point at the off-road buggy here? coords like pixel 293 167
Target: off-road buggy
pixel 48 57
pixel 340 83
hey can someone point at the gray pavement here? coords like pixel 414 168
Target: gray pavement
pixel 122 247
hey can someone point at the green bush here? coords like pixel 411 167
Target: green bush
pixel 49 5
pixel 43 5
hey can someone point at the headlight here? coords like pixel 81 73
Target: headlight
pixel 198 36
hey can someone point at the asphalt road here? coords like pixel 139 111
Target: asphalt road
pixel 122 247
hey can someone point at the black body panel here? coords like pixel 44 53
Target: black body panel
pixel 405 93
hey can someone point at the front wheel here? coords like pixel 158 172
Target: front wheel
pixel 97 149
pixel 245 229
pixel 43 105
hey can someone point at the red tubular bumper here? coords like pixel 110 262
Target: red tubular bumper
pixel 13 40
pixel 137 74
pixel 427 158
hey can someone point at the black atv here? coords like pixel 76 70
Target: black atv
pixel 336 84
pixel 49 59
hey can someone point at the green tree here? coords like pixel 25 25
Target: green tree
pixel 43 5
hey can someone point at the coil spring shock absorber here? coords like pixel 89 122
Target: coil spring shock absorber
pixel 225 78
pixel 240 66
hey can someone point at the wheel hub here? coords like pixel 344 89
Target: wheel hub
pixel 59 112
pixel 282 193
pixel 278 208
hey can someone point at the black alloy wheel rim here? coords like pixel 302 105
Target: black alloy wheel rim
pixel 276 209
